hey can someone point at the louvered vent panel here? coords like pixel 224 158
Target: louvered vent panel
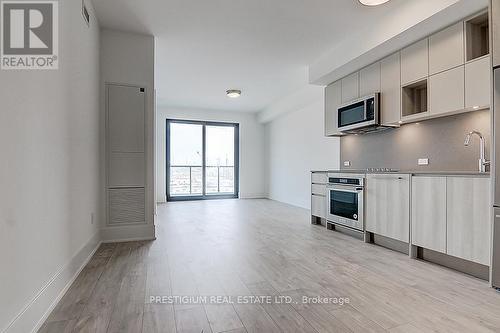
pixel 126 206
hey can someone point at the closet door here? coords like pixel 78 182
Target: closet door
pixel 125 154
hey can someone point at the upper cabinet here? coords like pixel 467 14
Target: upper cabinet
pixel 445 74
pixel 369 80
pixel 415 62
pixel 477 83
pixel 477 36
pixel 390 93
pixel 495 15
pixel 350 87
pixel 333 99
pixel 447 91
pixel 446 49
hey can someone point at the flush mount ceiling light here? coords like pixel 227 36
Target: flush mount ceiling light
pixel 233 93
pixel 373 2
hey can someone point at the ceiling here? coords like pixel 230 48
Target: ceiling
pixel 263 47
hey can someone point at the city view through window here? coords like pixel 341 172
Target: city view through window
pixel 187 176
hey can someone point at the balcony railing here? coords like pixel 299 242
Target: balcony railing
pixel 187 180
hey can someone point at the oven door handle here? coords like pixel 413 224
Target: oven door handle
pixel 344 188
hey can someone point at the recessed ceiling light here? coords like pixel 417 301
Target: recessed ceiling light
pixel 233 93
pixel 373 2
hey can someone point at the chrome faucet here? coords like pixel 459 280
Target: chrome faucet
pixel 482 149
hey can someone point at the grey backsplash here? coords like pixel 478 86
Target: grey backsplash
pixel 440 140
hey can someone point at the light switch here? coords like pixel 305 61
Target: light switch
pixel 423 161
pixel 347 163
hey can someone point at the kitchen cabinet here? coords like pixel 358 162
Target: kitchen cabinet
pixel 318 195
pixel 388 205
pixel 428 212
pixel 318 206
pixel 390 93
pixel 333 99
pixel 369 80
pixel 447 91
pixel 478 83
pixel 319 178
pixel 415 62
pixel 468 216
pixel 414 101
pixel 495 13
pixel 318 189
pixel 446 49
pixel 350 87
pixel 477 36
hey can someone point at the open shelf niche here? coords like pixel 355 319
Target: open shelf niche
pixel 477 37
pixel 414 98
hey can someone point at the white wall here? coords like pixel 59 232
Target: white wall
pixel 128 58
pixel 296 145
pixel 252 172
pixel 49 139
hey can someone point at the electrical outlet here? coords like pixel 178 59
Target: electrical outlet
pixel 347 163
pixel 423 161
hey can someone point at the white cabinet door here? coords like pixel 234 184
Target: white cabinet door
pixel 390 89
pixel 428 213
pixel 369 80
pixel 319 177
pixel 447 91
pixel 415 62
pixel 318 189
pixel 333 99
pixel 446 49
pixel 318 206
pixel 469 225
pixel 350 87
pixel 388 206
pixel 478 83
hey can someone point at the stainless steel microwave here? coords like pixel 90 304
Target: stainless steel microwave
pixel 361 113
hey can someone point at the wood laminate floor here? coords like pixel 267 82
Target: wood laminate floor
pixel 260 247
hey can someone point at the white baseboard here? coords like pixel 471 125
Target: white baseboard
pixel 253 196
pixel 37 310
pixel 128 233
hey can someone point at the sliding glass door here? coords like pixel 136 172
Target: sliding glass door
pixel 202 160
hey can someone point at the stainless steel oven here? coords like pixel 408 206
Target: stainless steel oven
pixel 345 200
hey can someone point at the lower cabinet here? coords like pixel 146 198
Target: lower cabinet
pixel 388 205
pixel 318 206
pixel 452 215
pixel 469 224
pixel 318 194
pixel 428 213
